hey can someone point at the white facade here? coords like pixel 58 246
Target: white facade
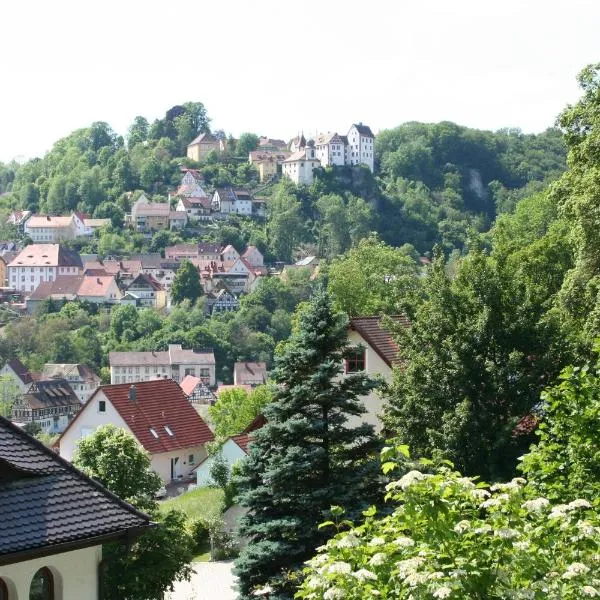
pixel 361 148
pixel 300 166
pixel 178 463
pixel 50 229
pixel 27 279
pixel 374 365
pixel 7 371
pixel 231 453
pixel 331 149
pixel 75 574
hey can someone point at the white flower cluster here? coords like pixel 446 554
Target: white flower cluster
pixel 404 542
pixel 535 506
pixel 348 541
pixel 364 574
pixel 462 526
pixel 574 570
pixel 442 592
pixel 411 477
pixel 560 511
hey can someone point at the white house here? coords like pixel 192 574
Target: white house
pixel 18 374
pixel 233 450
pixel 157 413
pixel 50 229
pixel 331 149
pixel 54 522
pixel 175 363
pixel 230 201
pixel 300 165
pixel 376 353
pixel 38 263
pixel 361 146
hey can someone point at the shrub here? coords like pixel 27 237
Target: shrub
pixel 198 530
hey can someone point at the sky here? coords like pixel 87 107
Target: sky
pixel 275 67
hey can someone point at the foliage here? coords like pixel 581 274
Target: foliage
pixel 307 456
pixel 186 284
pixel 477 355
pixel 199 503
pixel 236 408
pixel 113 457
pixel 159 556
pixel 8 394
pixel 451 536
pixel 564 462
pixel 372 279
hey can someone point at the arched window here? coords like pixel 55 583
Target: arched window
pixel 3 590
pixel 42 585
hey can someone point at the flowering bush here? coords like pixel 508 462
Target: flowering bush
pixel 454 537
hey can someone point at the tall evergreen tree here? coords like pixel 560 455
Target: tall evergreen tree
pixel 308 457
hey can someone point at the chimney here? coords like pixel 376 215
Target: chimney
pixel 132 391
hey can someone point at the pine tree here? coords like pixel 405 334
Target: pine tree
pixel 186 284
pixel 308 457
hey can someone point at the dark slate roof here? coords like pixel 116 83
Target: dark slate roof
pixel 364 130
pixel 48 506
pixel 377 337
pixel 51 393
pixel 20 370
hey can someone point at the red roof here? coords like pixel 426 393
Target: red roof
pixel 160 406
pixel 370 329
pixel 189 383
pixel 259 421
pixel 242 440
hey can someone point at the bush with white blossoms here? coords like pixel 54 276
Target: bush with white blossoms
pixel 454 537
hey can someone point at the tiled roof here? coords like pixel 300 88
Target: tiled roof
pixel 66 286
pixel 189 383
pixel 36 221
pixel 175 355
pixel 250 372
pixel 364 130
pixel 51 394
pixel 65 370
pixel 379 339
pixel 46 255
pixel 204 138
pixel 242 440
pixel 226 388
pixel 258 422
pixel 145 280
pixel 46 503
pixel 21 371
pixel 95 285
pixel 160 406
pixel 154 209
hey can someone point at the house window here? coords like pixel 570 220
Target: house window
pixel 153 432
pixel 42 585
pixel 355 362
pixel 102 406
pixel 169 431
pixel 191 459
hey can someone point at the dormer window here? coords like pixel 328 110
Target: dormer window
pixel 168 430
pixel 153 432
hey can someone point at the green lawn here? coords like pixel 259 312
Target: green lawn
pixel 201 502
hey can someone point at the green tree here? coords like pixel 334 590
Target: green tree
pixel 138 131
pixel 372 279
pixel 246 143
pixel 565 461
pixel 307 457
pixel 186 284
pixel 160 556
pixel 235 409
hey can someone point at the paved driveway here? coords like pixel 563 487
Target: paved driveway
pixel 210 581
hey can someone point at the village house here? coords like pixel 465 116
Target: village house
pixel 191 183
pixel 249 373
pixel 18 374
pixel 5 259
pixel 148 291
pixel 196 390
pixel 220 301
pixel 197 208
pixel 54 522
pixel 178 219
pixel 268 162
pixel 375 354
pixel 300 165
pixel 50 229
pixel 81 378
pixel 150 216
pixel 38 263
pixel 49 404
pixel 201 250
pixel 174 363
pixel 157 413
pixel 269 144
pixel 97 289
pixel 18 218
pixel 199 148
pixel 229 201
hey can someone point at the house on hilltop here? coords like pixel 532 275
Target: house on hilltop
pixel 54 522
pixel 157 413
pixel 199 148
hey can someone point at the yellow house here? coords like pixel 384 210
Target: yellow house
pixel 267 162
pixel 199 148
